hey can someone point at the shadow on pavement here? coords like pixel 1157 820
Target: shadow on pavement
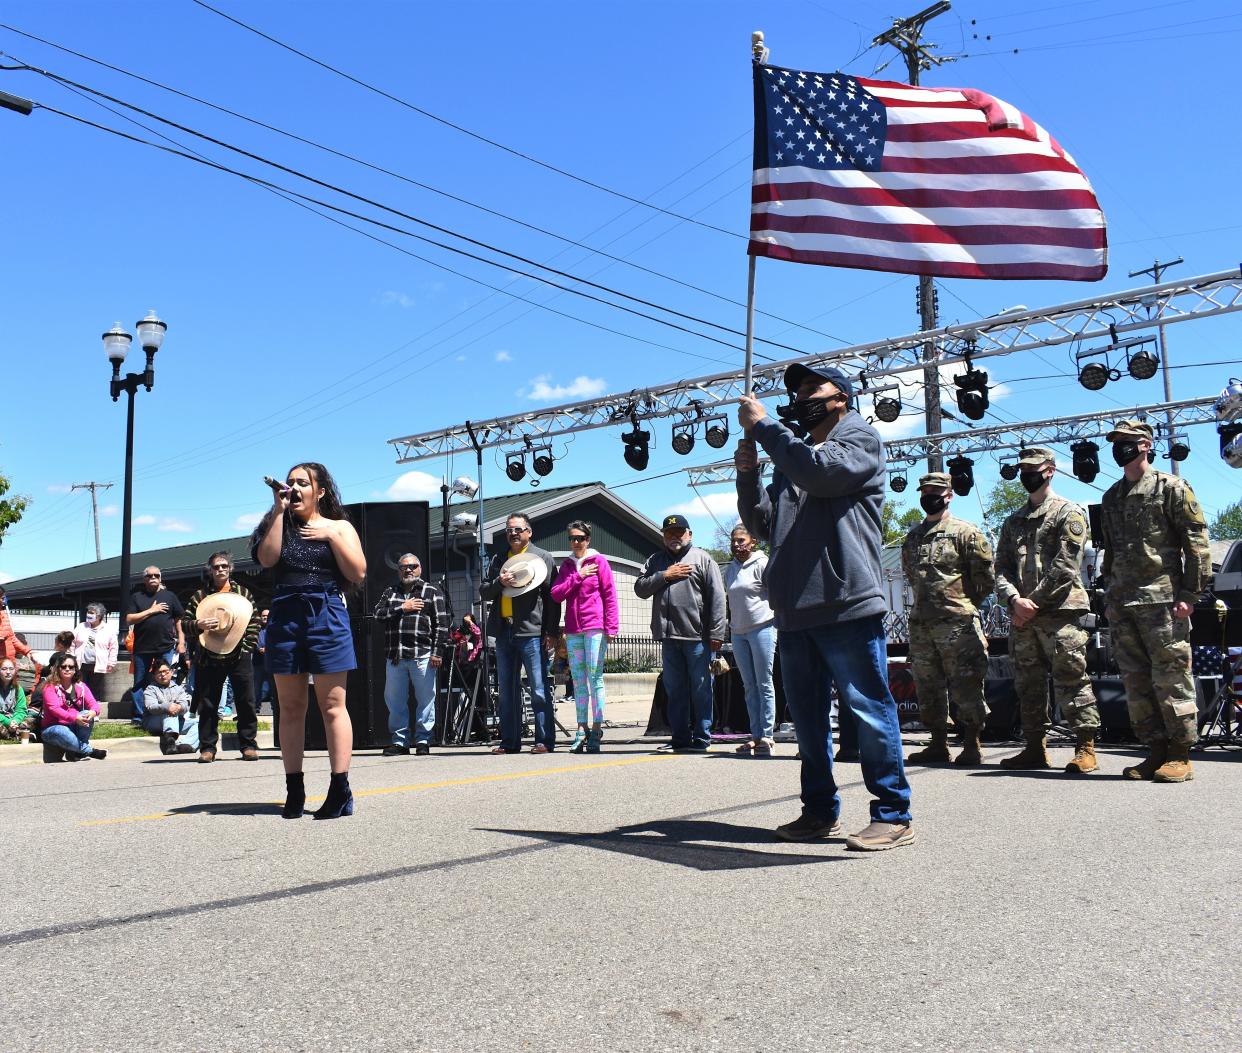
pixel 258 808
pixel 683 842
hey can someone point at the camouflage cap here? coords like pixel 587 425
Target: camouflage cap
pixel 940 480
pixel 1132 428
pixel 1034 456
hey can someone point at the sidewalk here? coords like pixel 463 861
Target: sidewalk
pixel 145 748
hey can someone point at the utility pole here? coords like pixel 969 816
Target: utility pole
pixel 1156 270
pixel 93 487
pixel 907 37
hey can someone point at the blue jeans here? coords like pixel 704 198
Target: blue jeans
pixel 142 676
pixel 688 685
pixel 853 654
pixel 399 677
pixel 755 652
pixel 513 654
pixel 183 725
pixel 75 739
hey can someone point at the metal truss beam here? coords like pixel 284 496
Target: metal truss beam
pixel 1057 431
pixel 1106 319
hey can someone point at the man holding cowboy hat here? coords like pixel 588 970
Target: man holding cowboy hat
pixel 525 622
pixel 226 619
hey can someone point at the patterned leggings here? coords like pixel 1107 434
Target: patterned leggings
pixel 586 666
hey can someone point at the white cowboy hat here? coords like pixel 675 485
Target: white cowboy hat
pixel 528 569
pixel 232 613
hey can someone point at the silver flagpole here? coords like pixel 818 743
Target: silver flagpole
pixel 758 53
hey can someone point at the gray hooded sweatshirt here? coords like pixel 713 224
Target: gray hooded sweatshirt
pixel 821 516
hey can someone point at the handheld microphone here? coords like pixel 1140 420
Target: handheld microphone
pixel 279 487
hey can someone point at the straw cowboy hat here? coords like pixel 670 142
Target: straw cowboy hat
pixel 232 613
pixel 528 569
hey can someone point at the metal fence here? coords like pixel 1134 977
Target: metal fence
pixel 995 625
pixel 632 654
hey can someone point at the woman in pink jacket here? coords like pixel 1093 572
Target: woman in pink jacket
pixel 69 715
pixel 584 584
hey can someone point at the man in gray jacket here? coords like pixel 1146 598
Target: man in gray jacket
pixel 688 618
pixel 821 514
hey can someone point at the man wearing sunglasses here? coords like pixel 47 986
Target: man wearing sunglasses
pixel 155 615
pixel 415 636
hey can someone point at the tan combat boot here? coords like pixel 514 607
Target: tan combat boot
pixel 970 755
pixel 1156 754
pixel 1177 768
pixel 935 752
pixel 1033 758
pixel 1084 760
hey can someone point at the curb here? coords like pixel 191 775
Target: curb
pixel 145 748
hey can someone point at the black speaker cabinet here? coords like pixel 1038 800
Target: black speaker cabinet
pixel 1110 696
pixel 387 531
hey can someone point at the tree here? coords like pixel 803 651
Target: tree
pixel 897 523
pixel 1005 497
pixel 1227 523
pixel 11 508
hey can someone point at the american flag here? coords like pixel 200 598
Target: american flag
pixel 949 182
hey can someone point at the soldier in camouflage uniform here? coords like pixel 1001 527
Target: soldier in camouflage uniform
pixel 948 564
pixel 1038 575
pixel 1157 563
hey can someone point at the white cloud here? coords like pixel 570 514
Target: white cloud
pixel 503 356
pixel 398 298
pixel 164 524
pixel 248 521
pixel 414 486
pixel 542 390
pixel 4 577
pixel 144 520
pixel 722 505
pixel 109 510
pixel 58 488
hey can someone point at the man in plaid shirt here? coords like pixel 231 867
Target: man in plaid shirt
pixel 415 635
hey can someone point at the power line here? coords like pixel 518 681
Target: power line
pixel 460 128
pixel 344 155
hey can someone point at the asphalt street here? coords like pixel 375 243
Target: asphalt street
pixel 625 901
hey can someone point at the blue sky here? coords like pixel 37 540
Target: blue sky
pixel 291 338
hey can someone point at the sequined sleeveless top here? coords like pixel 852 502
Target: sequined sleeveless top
pixel 305 564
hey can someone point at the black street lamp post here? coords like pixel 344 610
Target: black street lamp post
pixel 116 345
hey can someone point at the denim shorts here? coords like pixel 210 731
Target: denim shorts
pixel 308 632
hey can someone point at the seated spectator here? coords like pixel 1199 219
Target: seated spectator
pixel 168 712
pixel 69 715
pixel 468 639
pixel 30 676
pixel 94 646
pixel 13 715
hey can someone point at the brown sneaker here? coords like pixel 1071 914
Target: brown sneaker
pixel 1177 767
pixel 1033 758
pixel 250 753
pixel 879 837
pixel 1157 753
pixel 808 827
pixel 1084 761
pixel 206 757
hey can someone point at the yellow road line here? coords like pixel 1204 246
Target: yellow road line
pixel 413 787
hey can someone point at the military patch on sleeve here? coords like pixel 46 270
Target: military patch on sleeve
pixel 1076 527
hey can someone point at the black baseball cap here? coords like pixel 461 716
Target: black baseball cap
pixel 797 373
pixel 675 523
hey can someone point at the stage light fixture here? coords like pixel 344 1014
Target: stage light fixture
pixel 637 443
pixel 683 439
pixel 1009 472
pixel 1179 448
pixel 897 481
pixel 1143 364
pixel 515 466
pixel 962 474
pixel 542 460
pixel 1086 460
pixel 1093 376
pixel 717 432
pixel 887 409
pixel 972 392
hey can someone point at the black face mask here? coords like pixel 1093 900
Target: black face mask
pixel 805 415
pixel 933 503
pixel 1125 452
pixel 1032 481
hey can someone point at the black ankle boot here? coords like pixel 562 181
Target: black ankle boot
pixel 295 796
pixel 340 799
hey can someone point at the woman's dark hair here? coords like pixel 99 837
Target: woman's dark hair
pixel 578 524
pixel 330 506
pixel 64 640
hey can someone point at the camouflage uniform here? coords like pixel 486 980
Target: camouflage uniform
pixel 948 565
pixel 1156 554
pixel 1039 557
